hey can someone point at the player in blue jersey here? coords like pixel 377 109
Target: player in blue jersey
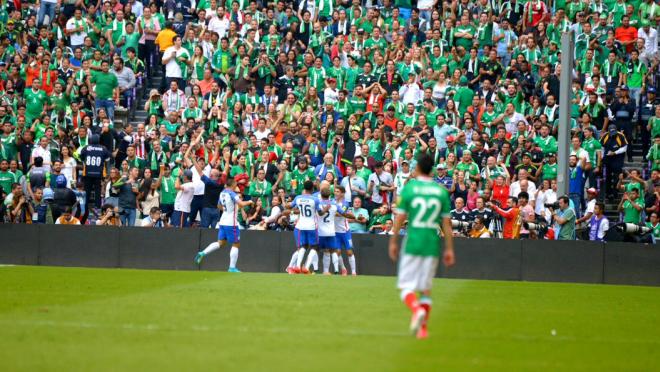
pixel 306 231
pixel 343 232
pixel 230 203
pixel 327 239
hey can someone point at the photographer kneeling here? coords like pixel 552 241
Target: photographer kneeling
pixel 479 230
pixel 564 219
pixel 109 216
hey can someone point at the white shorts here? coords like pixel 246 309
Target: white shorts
pixel 416 273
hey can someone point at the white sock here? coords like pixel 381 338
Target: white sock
pixel 351 261
pixel 341 262
pixel 211 247
pixel 294 259
pixel 310 258
pixel 233 257
pixel 315 261
pixel 326 262
pixel 301 255
pixel 335 261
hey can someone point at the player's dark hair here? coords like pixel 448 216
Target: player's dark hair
pixel 341 189
pixel 424 163
pixel 230 182
pixel 523 195
pixel 308 186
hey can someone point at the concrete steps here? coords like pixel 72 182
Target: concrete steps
pixel 140 115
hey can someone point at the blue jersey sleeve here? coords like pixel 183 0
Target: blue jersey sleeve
pixel 341 207
pixel 294 203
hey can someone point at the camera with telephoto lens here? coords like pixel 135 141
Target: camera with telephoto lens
pixel 632 229
pixel 535 226
pixel 458 225
pixel 554 205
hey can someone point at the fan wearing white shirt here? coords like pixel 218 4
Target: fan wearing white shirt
pixel 411 92
pixel 171 58
pixel 546 196
pixel 43 152
pixel 184 197
pixel 219 22
pixel 516 188
pixel 76 28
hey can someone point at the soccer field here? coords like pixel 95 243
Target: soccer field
pixel 91 319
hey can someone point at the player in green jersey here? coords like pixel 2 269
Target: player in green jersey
pixel 426 205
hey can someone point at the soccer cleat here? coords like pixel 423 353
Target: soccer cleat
pixel 233 270
pixel 199 257
pixel 296 270
pixel 327 273
pixel 417 320
pixel 354 274
pixel 290 270
pixel 304 270
pixel 422 333
pixel 344 272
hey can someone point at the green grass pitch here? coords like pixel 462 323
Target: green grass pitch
pixel 70 319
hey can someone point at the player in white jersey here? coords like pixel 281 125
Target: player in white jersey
pixel 230 203
pixel 306 231
pixel 343 232
pixel 327 239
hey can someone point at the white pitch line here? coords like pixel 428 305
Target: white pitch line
pixel 354 332
pixel 195 328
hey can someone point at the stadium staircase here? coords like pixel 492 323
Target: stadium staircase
pixel 135 113
pixel 140 115
pixel 637 163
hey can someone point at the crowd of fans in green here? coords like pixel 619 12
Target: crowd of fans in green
pixel 342 93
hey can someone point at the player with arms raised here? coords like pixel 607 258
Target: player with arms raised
pixel 230 202
pixel 426 205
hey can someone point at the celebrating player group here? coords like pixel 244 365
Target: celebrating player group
pixel 321 227
pixel 321 224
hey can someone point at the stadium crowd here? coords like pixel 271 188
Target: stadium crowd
pixel 343 93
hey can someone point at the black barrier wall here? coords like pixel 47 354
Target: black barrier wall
pixel 268 251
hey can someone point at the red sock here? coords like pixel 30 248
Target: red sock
pixel 427 307
pixel 411 301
